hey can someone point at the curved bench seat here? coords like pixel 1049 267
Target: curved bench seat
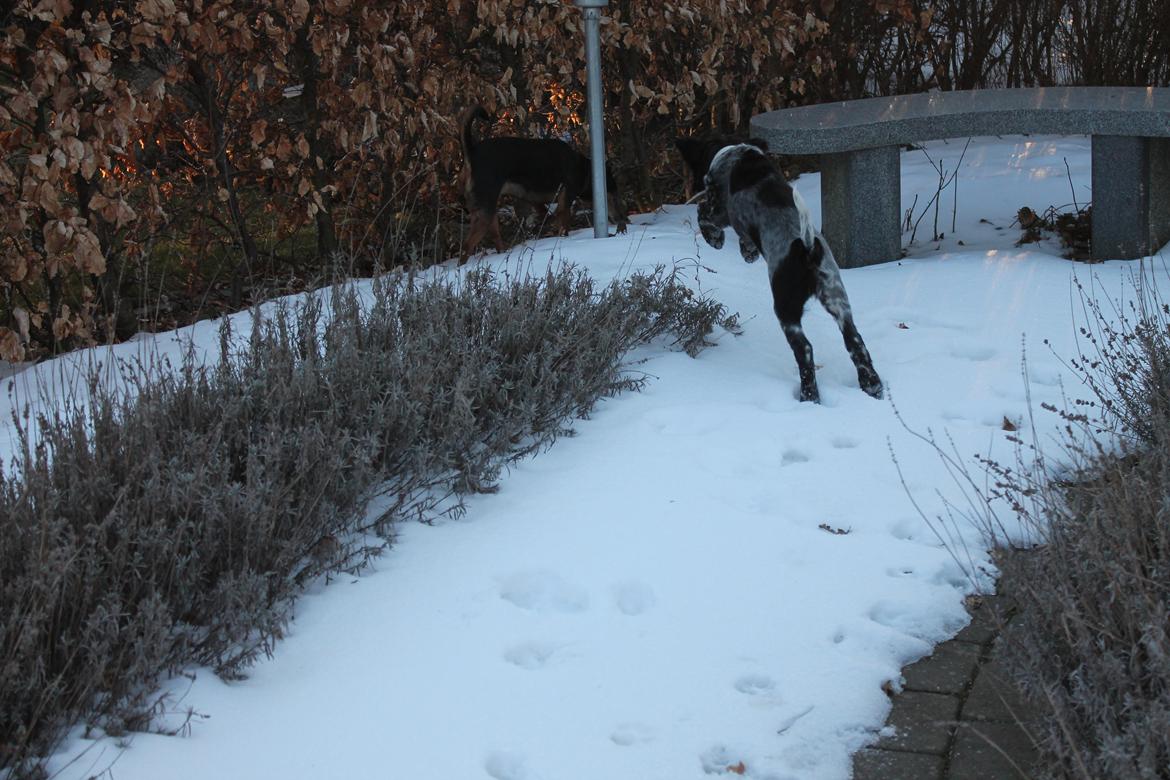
pixel 859 141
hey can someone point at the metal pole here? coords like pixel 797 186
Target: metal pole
pixel 596 117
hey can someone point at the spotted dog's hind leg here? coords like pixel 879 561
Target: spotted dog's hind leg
pixel 793 282
pixel 831 293
pixel 802 349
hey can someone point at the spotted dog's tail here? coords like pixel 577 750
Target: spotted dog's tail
pixel 468 137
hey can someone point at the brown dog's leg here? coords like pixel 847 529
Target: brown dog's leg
pixel 617 212
pixel 495 225
pixel 475 233
pixel 563 204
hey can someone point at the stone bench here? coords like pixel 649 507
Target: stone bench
pixel 859 142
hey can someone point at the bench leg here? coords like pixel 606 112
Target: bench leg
pixel 1131 196
pixel 861 205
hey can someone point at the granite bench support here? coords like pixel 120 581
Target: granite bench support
pixel 860 141
pixel 861 193
pixel 1131 195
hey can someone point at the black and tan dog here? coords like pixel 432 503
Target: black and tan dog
pixel 534 171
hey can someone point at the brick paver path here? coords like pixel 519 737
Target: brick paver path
pixel 958 716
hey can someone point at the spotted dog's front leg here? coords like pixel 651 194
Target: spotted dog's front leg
pixel 749 249
pixel 803 352
pixel 713 216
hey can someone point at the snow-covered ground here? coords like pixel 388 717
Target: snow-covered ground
pixel 658 598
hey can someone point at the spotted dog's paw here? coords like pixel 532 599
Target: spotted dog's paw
pixel 711 234
pixel 750 252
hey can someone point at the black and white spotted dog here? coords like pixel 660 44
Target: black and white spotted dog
pixel 744 190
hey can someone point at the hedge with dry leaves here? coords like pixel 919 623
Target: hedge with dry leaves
pixel 227 144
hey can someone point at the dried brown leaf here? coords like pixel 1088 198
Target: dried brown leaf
pixel 11 348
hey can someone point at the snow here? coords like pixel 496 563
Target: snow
pixel 656 597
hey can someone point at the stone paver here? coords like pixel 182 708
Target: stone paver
pixel 991 751
pixel 950 669
pixel 896 765
pixel 986 620
pixel 923 722
pixel 994 697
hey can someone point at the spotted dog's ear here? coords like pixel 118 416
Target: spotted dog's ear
pixel 759 143
pixel 713 214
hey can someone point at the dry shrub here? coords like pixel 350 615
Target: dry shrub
pixel 1094 634
pixel 174 525
pixel 1092 638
